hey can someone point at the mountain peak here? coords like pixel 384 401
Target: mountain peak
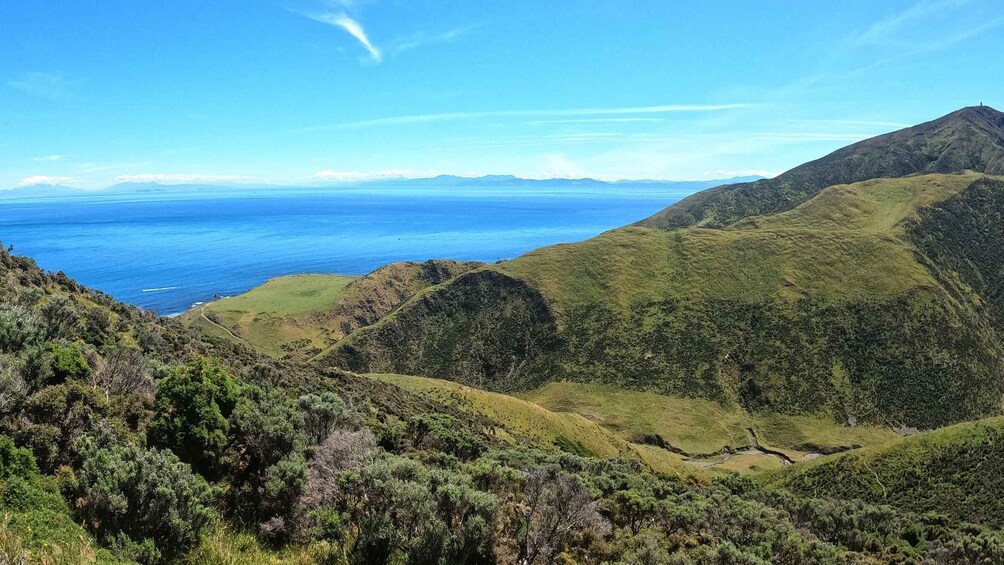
pixel 970 138
pixel 978 112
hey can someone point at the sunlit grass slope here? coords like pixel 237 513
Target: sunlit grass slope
pixel 699 426
pixel 278 313
pixel 873 206
pixel 669 434
pixel 541 427
pixel 839 246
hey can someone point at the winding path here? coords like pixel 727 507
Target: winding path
pixel 202 312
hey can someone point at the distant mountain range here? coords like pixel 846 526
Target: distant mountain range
pixel 446 181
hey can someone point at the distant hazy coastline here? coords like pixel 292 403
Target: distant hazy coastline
pixel 168 247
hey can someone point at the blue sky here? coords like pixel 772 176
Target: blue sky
pixel 301 91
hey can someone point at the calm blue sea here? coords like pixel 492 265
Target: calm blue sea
pixel 167 252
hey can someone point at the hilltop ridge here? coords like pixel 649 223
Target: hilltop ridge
pixel 971 138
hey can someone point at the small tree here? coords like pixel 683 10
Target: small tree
pixel 322 414
pixel 123 370
pixel 68 363
pixel 194 403
pixel 60 316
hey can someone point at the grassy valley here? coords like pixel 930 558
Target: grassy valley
pixel 669 434
pixel 698 426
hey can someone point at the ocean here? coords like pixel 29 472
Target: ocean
pixel 166 252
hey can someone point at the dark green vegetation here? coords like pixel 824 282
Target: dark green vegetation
pixel 954 470
pixel 645 366
pixel 835 302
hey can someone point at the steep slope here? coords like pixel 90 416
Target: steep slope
pixel 526 423
pixel 953 471
pixel 970 138
pixel 833 307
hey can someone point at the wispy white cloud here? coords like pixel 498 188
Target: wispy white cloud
pixel 925 27
pixel 627 140
pixel 53 86
pixel 48 158
pixel 37 180
pixel 353 28
pixel 425 38
pixel 886 30
pixel 460 116
pixel 595 121
pixel 181 177
pixel 331 175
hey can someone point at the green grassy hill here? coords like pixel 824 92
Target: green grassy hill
pixel 276 316
pixel 299 315
pixel 837 306
pixel 954 471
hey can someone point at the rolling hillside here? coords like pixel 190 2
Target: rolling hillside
pixel 835 302
pixel 953 471
pixel 644 366
pixel 299 315
pixel 690 437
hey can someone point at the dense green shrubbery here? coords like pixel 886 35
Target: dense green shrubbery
pixel 194 403
pixel 144 502
pixel 963 237
pixel 955 471
pixel 804 357
pixel 36 524
pixel 300 457
pixel 484 328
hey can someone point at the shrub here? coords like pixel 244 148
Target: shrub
pixel 20 327
pixel 266 439
pixel 61 321
pixel 322 414
pixel 141 500
pixel 442 433
pixel 194 403
pixel 68 363
pixel 58 416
